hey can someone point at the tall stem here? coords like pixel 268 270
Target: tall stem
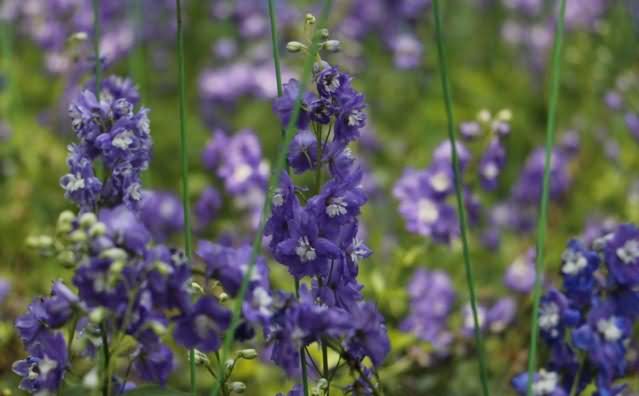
pixel 106 373
pixel 542 219
pixel 274 180
pixel 184 166
pixel 457 176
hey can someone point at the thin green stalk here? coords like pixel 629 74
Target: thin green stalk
pixel 275 47
pixel 106 387
pixel 184 166
pixel 457 176
pixel 542 220
pixel 274 180
pixel 575 385
pixel 97 20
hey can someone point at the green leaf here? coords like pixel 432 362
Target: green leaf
pixel 154 390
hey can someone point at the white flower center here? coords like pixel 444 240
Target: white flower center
pixel 262 300
pixel 33 371
pixel 609 329
pixel 305 251
pixel 278 198
pixel 440 181
pixel 359 250
pixel 242 173
pixel 546 383
pixel 331 84
pixel 167 209
pixel 204 325
pixel 427 211
pixel 549 316
pixel 490 170
pixel 355 118
pixel 574 262
pixel 46 365
pixel 123 140
pixel 134 192
pixel 74 183
pixel 629 253
pixel 336 207
pixel 144 125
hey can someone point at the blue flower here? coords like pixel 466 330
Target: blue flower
pixel 578 268
pixel 622 255
pixel 202 326
pixel 44 368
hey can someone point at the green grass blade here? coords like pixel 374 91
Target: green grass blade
pixel 184 161
pixel 458 194
pixel 542 219
pixel 274 179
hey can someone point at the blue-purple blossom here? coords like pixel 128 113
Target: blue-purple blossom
pixel 203 325
pixel 44 368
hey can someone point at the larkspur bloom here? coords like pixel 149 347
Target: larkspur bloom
pixel 203 326
pixel 43 371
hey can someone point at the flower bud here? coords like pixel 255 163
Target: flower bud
pixel 229 365
pixel 200 358
pixel 295 46
pixel 97 315
pixel 163 268
pixel 322 384
pixel 117 266
pixel 484 116
pixel 78 236
pixel 98 229
pixel 323 33
pixel 310 19
pixel 223 297
pixel 88 219
pixel 196 288
pixel 505 115
pixel 66 258
pixel 237 387
pixel 114 254
pixel 331 45
pixel 66 217
pixel 78 36
pixel 158 328
pixel 248 354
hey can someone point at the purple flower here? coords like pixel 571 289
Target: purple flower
pixel 555 315
pixel 305 251
pixel 44 368
pixel 578 268
pixel 80 184
pixel 468 326
pixel 407 51
pixel 331 83
pixel 622 255
pixel 470 130
pixel 546 383
pixel 242 167
pixel 491 164
pixel 520 275
pixel 154 363
pixel 501 314
pixel 339 201
pixel 528 188
pixel 161 213
pixel 302 153
pixel 632 122
pixel 284 105
pixel 32 325
pixel 125 229
pixel 350 115
pixel 368 335
pixel 202 326
pixel 168 277
pixel 214 150
pixel 443 154
pixel 207 206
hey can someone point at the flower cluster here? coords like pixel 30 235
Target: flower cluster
pixel 238 162
pixel 587 325
pixel 111 131
pixel 424 195
pixel 314 232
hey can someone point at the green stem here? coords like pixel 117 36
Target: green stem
pixel 325 371
pixel 542 220
pixel 457 176
pixel 106 387
pixel 184 166
pixel 74 324
pixel 278 166
pixel 575 384
pixel 97 19
pixel 275 48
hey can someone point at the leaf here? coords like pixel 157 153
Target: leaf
pixel 154 390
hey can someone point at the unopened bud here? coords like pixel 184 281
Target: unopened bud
pixel 117 266
pixel 66 258
pixel 78 36
pixel 200 358
pixel 87 220
pixel 322 384
pixel 247 354
pixel 310 19
pixel 98 229
pixel 196 288
pixel 97 315
pixel 78 236
pixel 294 46
pixel 223 297
pixel 237 387
pixel 331 45
pixel 114 254
pixel 323 33
pixel 157 328
pixel 66 217
pixel 229 365
pixel 484 116
pixel 163 268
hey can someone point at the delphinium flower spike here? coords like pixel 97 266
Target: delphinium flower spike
pixel 543 206
pixel 460 201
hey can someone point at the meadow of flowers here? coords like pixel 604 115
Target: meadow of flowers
pixel 316 197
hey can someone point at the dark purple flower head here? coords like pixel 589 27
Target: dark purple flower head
pixel 44 368
pixel 339 201
pixel 154 363
pixel 32 325
pixel 284 105
pixel 306 252
pixel 203 325
pixel 302 153
pixel 578 268
pixel 168 277
pixel 125 229
pixel 331 82
pixel 80 184
pixel 556 313
pixel 351 115
pixel 621 254
pixel 368 333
